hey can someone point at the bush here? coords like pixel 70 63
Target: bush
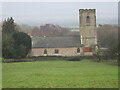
pixel 22 44
pixel 74 59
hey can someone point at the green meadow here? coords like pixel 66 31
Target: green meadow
pixel 59 74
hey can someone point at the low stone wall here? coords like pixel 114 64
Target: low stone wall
pixel 45 58
pixel 88 53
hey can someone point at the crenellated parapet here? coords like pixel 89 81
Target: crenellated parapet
pixel 82 11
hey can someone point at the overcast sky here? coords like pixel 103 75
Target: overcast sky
pixel 62 13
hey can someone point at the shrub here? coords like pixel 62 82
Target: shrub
pixel 74 59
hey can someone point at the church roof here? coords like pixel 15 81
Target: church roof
pixel 56 42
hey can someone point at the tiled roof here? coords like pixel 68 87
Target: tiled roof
pixel 56 42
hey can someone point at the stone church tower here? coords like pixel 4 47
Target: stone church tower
pixel 88 31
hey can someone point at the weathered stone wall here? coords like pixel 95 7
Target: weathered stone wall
pixel 88 29
pixel 51 52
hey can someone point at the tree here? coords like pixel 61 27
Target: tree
pixel 15 44
pixel 22 44
pixel 108 37
pixel 8 50
pixel 8 26
pixel 96 50
pixel 8 29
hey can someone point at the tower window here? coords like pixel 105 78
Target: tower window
pixel 87 19
pixel 78 50
pixel 45 51
pixel 56 51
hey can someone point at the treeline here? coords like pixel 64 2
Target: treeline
pixel 46 30
pixel 15 44
pixel 108 38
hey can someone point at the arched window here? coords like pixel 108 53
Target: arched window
pixel 87 19
pixel 56 51
pixel 78 50
pixel 45 51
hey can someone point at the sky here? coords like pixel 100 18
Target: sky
pixel 61 13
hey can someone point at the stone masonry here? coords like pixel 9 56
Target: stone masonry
pixel 88 31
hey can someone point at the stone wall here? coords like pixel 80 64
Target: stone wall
pixel 72 51
pixel 88 29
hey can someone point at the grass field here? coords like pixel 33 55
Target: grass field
pixel 60 74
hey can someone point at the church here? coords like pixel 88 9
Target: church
pixel 69 45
